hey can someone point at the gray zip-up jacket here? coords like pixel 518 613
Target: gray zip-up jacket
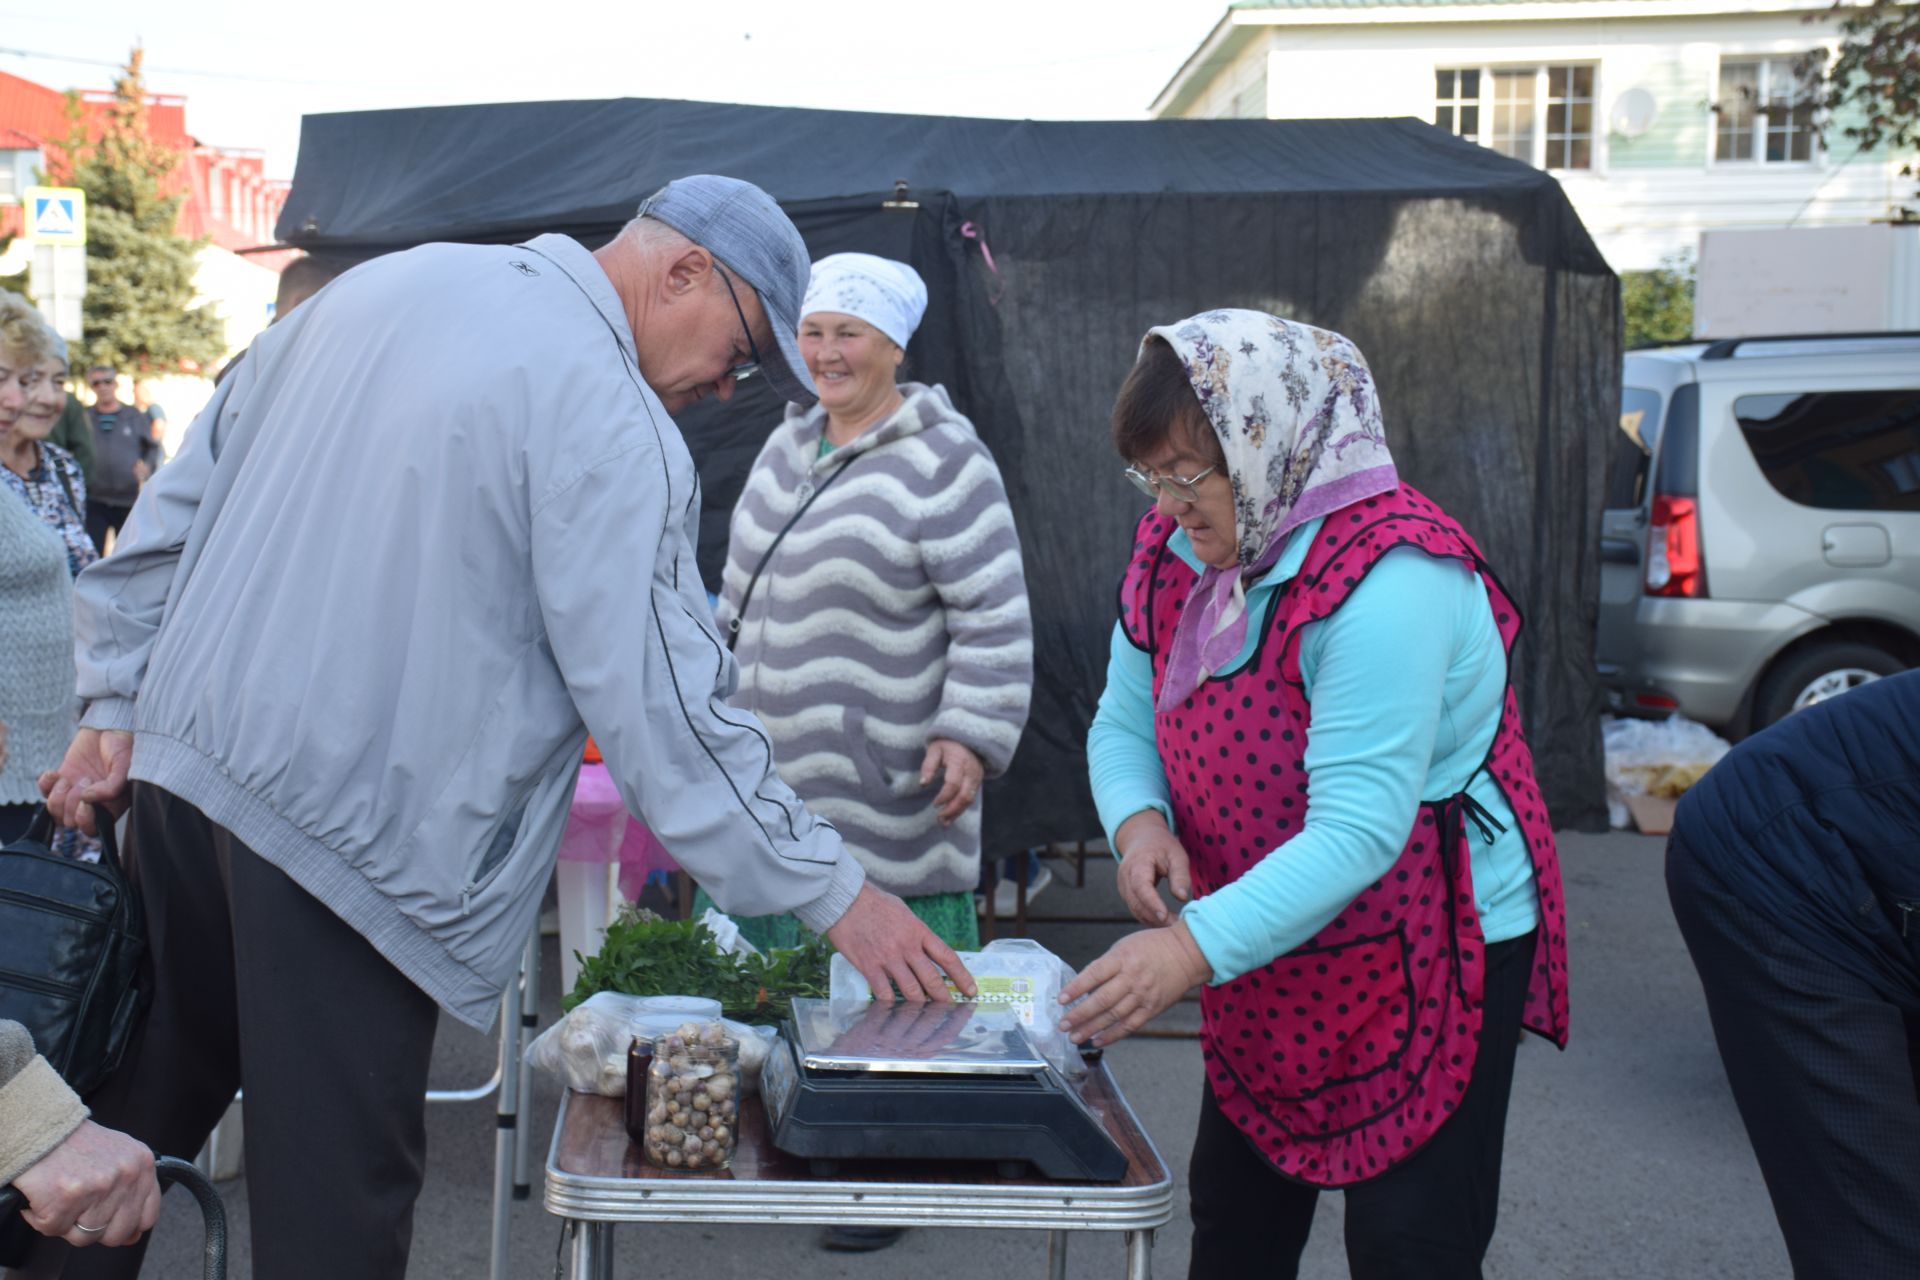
pixel 434 520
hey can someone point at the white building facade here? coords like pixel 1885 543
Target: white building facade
pixel 1660 118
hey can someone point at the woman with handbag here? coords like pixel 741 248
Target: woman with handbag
pixel 37 701
pixel 49 478
pixel 875 595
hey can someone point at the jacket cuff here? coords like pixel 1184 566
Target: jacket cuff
pixel 993 740
pixel 110 714
pixel 37 1113
pixel 843 887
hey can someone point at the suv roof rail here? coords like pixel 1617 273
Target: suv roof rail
pixel 1724 348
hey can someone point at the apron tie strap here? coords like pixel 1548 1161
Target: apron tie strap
pixel 1489 826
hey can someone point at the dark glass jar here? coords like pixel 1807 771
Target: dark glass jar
pixel 639 1058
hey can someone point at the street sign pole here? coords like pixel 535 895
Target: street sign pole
pixel 56 220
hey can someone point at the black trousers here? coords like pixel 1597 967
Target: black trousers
pixel 256 983
pixel 104 518
pixel 1826 1074
pixel 1430 1217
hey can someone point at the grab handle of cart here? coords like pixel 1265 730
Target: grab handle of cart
pixel 169 1170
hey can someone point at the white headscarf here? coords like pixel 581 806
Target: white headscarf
pixel 1298 420
pixel 888 295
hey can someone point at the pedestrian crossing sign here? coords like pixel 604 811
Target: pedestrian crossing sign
pixel 56 215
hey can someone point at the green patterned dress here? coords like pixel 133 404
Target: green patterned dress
pixel 951 916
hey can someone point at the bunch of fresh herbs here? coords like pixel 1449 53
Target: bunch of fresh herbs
pixel 645 955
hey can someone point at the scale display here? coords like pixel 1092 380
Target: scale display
pixel 928 1082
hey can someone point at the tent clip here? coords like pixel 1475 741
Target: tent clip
pixel 900 200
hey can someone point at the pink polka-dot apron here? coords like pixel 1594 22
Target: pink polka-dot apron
pixel 1344 1056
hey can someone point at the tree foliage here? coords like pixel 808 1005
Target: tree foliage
pixel 138 313
pixel 1658 305
pixel 1875 74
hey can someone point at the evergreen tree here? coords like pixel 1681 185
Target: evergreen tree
pixel 138 313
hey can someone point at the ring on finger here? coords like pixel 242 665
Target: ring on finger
pixel 92 1231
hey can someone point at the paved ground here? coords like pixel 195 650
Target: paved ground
pixel 1625 1157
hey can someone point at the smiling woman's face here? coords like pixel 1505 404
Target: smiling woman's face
pixel 1208 519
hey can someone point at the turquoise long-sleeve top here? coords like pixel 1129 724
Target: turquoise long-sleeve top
pixel 1407 681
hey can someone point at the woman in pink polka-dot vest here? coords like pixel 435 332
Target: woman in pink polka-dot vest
pixel 1308 731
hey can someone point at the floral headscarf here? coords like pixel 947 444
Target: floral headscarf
pixel 1296 415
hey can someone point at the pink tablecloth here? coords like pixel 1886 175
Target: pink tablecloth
pixel 599 829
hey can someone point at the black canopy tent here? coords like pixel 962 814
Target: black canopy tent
pixel 1490 320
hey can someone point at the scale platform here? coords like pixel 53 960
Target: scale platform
pixel 927 1082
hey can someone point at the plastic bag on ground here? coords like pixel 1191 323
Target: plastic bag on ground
pixel 1657 758
pixel 1017 974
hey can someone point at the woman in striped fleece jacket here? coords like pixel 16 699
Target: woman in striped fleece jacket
pixel 885 640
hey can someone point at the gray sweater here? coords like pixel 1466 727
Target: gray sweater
pixel 36 649
pixel 893 613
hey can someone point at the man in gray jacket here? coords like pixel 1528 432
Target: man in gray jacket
pixel 435 527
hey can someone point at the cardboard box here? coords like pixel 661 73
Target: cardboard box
pixel 1652 814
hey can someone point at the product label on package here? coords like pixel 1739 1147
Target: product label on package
pixel 1013 994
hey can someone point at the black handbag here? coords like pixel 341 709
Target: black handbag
pixel 72 937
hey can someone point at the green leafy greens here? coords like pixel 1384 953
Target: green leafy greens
pixel 645 955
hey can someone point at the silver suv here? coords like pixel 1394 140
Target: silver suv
pixel 1761 543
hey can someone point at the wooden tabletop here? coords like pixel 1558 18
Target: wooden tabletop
pixel 593 1143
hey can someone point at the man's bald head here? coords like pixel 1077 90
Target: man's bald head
pixel 303 277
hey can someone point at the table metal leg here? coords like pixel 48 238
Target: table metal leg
pixel 592 1251
pixel 1056 1255
pixel 1139 1255
pixel 506 1119
pixel 529 1023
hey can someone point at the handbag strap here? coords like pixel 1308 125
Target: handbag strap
pixel 40 830
pixel 66 482
pixel 733 624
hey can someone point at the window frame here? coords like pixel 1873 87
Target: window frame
pixel 1765 60
pixel 1540 144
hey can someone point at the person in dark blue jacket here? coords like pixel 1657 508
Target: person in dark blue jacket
pixel 1794 871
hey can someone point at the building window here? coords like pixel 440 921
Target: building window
pixel 1569 118
pixel 1456 102
pixel 9 185
pixel 1764 113
pixel 1542 115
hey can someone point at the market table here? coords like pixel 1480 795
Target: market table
pixel 597 1178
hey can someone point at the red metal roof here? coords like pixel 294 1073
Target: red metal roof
pixel 228 196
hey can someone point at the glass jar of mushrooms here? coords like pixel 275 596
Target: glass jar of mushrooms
pixel 693 1099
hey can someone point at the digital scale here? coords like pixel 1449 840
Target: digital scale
pixel 927 1082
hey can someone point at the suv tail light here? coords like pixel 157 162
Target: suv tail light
pixel 1674 566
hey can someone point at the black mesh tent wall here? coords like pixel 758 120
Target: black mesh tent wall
pixel 1490 320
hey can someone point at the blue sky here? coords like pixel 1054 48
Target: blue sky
pixel 250 70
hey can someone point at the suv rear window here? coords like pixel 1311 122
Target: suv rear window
pixel 1837 450
pixel 1633 447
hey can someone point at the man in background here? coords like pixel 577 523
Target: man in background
pixel 124 455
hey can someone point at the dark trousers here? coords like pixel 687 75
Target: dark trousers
pixel 1826 1073
pixel 14 820
pixel 104 518
pixel 257 984
pixel 1429 1217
